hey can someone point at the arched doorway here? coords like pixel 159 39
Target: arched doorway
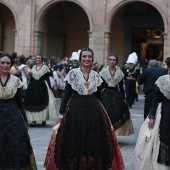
pixel 7 30
pixel 139 27
pixel 65 28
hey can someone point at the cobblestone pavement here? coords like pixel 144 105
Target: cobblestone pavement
pixel 40 136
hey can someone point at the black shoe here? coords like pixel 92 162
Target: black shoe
pixel 32 123
pixel 43 123
pixel 130 107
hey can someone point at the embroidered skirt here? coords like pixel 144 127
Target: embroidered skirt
pixel 15 147
pixel 85 139
pixel 118 111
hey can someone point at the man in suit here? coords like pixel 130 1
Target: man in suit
pixel 148 78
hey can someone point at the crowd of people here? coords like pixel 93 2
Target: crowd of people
pixel 95 108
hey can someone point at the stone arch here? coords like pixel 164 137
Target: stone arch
pixel 12 11
pixel 119 5
pixel 8 27
pixel 116 8
pixel 45 8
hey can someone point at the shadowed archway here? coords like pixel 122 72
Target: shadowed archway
pixel 64 28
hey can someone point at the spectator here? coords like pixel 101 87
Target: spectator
pixel 25 74
pixel 61 72
pixel 56 80
pixel 148 78
pixel 74 62
pixel 29 62
pixel 95 67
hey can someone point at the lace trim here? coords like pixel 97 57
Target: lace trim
pixel 79 84
pixel 11 87
pixel 163 83
pixel 164 154
pixel 112 81
pixel 37 74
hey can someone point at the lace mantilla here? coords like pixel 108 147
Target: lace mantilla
pixel 112 81
pixel 163 83
pixel 37 74
pixel 76 80
pixel 10 89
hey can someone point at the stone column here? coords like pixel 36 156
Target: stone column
pixel 165 47
pixel 167 38
pixel 107 37
pixel 0 38
pixel 38 42
pixel 99 42
pixel 16 41
pixel 90 40
pixel 168 45
pixel 96 43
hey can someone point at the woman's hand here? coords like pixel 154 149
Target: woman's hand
pixel 151 123
pixel 59 119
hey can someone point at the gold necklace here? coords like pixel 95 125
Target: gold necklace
pixel 87 84
pixel 38 68
pixel 3 90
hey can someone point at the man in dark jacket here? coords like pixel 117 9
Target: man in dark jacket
pixel 131 72
pixel 148 79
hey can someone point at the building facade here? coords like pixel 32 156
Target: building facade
pixel 59 27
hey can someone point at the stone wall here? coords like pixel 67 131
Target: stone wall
pixel 79 23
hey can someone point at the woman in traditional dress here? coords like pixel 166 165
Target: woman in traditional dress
pixel 113 98
pixel 155 152
pixel 85 138
pixel 15 147
pixel 39 100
